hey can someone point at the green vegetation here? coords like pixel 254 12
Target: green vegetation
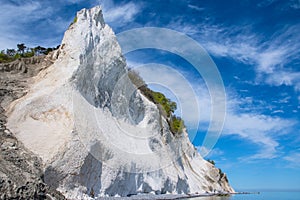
pixel 166 106
pixel 28 54
pixel 5 57
pixel 221 173
pixel 74 21
pixel 23 52
pixel 176 124
pixel 21 48
pixel 211 161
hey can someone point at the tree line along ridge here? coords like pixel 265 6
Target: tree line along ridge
pixel 23 51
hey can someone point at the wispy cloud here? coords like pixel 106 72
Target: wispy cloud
pixel 262 130
pixel 265 3
pixel 31 22
pixel 270 56
pixel 71 1
pixel 285 78
pixel 294 159
pixel 295 4
pixel 195 7
pixel 216 152
pixel 252 49
pixel 12 18
pixel 121 14
pixel 284 5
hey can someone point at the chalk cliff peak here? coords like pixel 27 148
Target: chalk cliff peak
pixel 96 134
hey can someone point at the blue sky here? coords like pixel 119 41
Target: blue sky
pixel 254 44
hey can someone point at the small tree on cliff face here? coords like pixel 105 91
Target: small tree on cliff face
pixel 21 48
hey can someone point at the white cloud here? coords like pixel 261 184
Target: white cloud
pixel 265 3
pixel 271 57
pixel 250 124
pixel 294 159
pixel 215 152
pixel 12 16
pixel 18 18
pixel 277 111
pixel 285 78
pixel 249 48
pixel 259 129
pixel 295 4
pixel 72 1
pixel 195 7
pixel 24 12
pixel 119 15
pixel 180 25
pixel 286 99
pixel 268 60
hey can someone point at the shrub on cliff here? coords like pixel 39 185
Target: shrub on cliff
pixel 176 125
pixel 166 105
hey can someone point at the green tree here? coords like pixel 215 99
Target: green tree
pixel 173 106
pixel 168 105
pixel 48 50
pixel 41 50
pixel 29 53
pixel 21 48
pixel 11 52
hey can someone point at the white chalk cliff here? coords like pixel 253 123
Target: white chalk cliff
pixel 96 134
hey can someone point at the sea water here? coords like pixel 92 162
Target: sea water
pixel 261 196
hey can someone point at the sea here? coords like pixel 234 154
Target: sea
pixel 270 195
pixel 267 195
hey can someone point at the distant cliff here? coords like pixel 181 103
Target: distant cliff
pixel 92 131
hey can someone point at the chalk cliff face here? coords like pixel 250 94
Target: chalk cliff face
pixel 95 132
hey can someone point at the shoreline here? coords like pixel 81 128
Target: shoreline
pixel 165 196
pixel 172 196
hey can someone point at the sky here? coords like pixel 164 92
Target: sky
pixel 255 46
